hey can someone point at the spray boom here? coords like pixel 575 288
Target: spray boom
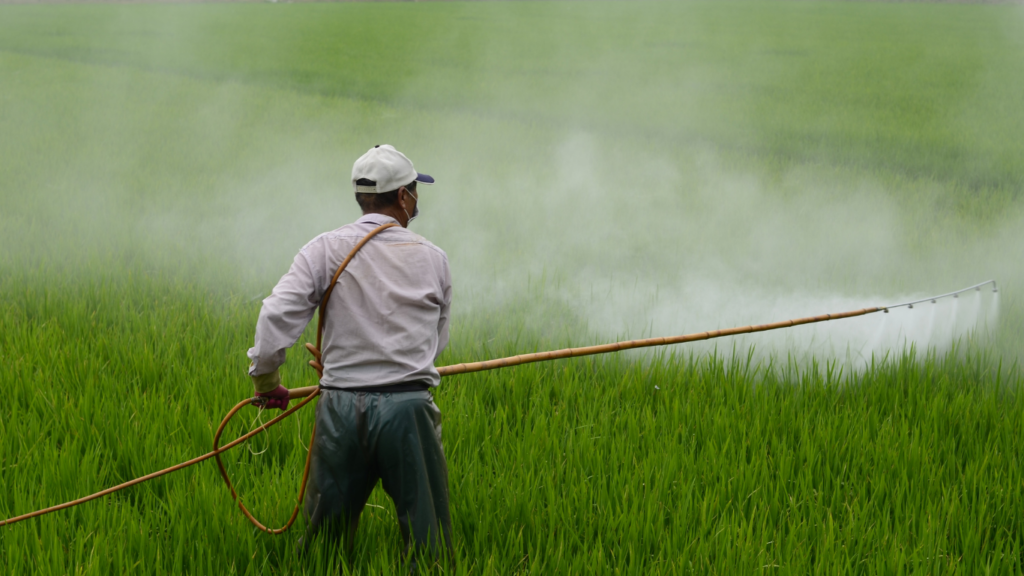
pixel 935 299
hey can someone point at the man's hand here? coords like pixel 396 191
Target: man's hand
pixel 276 398
pixel 269 386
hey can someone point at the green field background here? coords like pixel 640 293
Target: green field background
pixel 161 164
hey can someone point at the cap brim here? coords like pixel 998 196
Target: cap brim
pixel 424 178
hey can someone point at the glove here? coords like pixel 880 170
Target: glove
pixel 269 386
pixel 276 398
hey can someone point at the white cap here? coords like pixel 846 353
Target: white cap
pixel 388 168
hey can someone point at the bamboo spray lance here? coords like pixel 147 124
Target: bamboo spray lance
pixel 311 392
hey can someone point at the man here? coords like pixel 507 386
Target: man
pixel 386 324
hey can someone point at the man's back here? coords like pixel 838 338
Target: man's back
pixel 387 318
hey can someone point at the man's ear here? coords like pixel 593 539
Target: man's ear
pixel 402 193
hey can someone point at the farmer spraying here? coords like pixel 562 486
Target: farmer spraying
pixel 386 324
pixel 377 341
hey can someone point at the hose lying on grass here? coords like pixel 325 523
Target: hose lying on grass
pixel 311 392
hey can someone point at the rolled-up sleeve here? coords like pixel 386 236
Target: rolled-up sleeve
pixel 284 316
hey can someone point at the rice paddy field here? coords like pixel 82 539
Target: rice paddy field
pixel 605 170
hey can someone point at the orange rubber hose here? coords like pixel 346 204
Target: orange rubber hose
pixel 231 488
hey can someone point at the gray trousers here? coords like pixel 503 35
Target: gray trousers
pixel 394 437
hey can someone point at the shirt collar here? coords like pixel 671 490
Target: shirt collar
pixel 378 219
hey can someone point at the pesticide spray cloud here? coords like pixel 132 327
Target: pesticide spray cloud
pixel 638 246
pixel 581 196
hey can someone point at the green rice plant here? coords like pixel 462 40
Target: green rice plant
pixel 160 165
pixel 673 464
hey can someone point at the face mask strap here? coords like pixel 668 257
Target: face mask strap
pixel 415 212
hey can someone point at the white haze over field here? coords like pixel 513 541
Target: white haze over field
pixel 627 236
pixel 696 246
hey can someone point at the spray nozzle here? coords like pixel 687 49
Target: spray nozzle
pixel 935 299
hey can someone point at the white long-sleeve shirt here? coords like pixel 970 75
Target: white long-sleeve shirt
pixel 387 318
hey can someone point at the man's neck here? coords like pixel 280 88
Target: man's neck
pixel 395 213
